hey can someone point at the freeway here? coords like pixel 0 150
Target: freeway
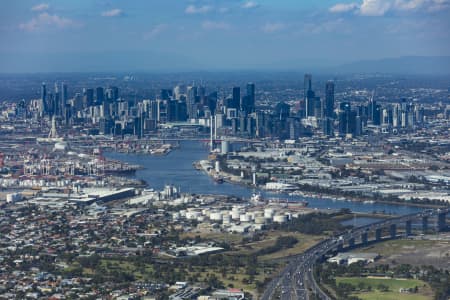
pixel 297 277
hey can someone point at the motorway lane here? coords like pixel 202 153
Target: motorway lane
pixel 291 281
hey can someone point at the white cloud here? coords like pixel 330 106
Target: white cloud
pixel 115 12
pixel 211 25
pixel 439 5
pixel 409 5
pixel 155 31
pixel 45 20
pixel 375 7
pixel 326 27
pixel 381 7
pixel 343 7
pixel 192 9
pixel 273 27
pixel 250 5
pixel 40 7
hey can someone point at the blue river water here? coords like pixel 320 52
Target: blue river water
pixel 177 168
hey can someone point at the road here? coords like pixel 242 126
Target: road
pixel 297 277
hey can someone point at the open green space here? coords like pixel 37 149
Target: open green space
pixel 390 296
pixel 398 246
pixel 369 288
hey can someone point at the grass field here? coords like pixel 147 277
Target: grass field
pixel 304 242
pixel 413 252
pixel 394 285
pixel 396 246
pixel 390 296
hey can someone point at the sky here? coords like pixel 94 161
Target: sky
pixel 180 35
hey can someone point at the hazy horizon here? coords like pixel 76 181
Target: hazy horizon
pixel 217 35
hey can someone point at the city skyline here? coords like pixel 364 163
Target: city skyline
pixel 53 36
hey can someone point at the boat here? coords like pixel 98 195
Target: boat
pixel 218 179
pixel 290 203
pixel 368 202
pixel 256 198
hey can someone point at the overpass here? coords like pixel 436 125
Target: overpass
pixel 297 278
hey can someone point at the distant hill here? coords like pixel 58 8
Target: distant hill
pixel 401 65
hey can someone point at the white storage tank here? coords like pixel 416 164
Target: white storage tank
pixel 250 215
pixel 226 219
pixel 193 215
pixel 216 216
pixel 280 218
pixel 235 215
pixel 268 213
pixel 258 213
pixel 244 218
pixel 225 147
pixel 260 220
pixel 236 208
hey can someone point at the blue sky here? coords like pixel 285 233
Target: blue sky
pixel 153 35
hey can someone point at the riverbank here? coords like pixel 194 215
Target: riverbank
pixel 144 147
pixel 207 167
pixel 177 169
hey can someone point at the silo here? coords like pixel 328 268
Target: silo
pixel 244 218
pixel 226 219
pixel 280 218
pixel 216 216
pixel 268 213
pixel 225 147
pixel 260 220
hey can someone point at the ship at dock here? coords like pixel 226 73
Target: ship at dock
pixel 257 199
pixel 120 169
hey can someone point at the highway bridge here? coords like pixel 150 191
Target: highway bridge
pixel 296 280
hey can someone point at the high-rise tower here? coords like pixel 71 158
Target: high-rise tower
pixel 250 98
pixel 307 84
pixel 44 98
pixel 329 99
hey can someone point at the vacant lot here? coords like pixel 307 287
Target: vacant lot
pixel 413 252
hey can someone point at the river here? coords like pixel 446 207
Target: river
pixel 176 168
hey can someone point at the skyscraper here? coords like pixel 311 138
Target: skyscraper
pixel 249 103
pixel 44 98
pixel 63 93
pixel 99 95
pixel 57 102
pixel 236 100
pixel 329 99
pixel 348 121
pixel 192 92
pixel 310 97
pixel 88 97
pixel 166 94
pixel 307 84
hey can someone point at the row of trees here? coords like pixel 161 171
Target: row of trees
pixel 315 223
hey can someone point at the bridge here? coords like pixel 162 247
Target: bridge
pixel 296 280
